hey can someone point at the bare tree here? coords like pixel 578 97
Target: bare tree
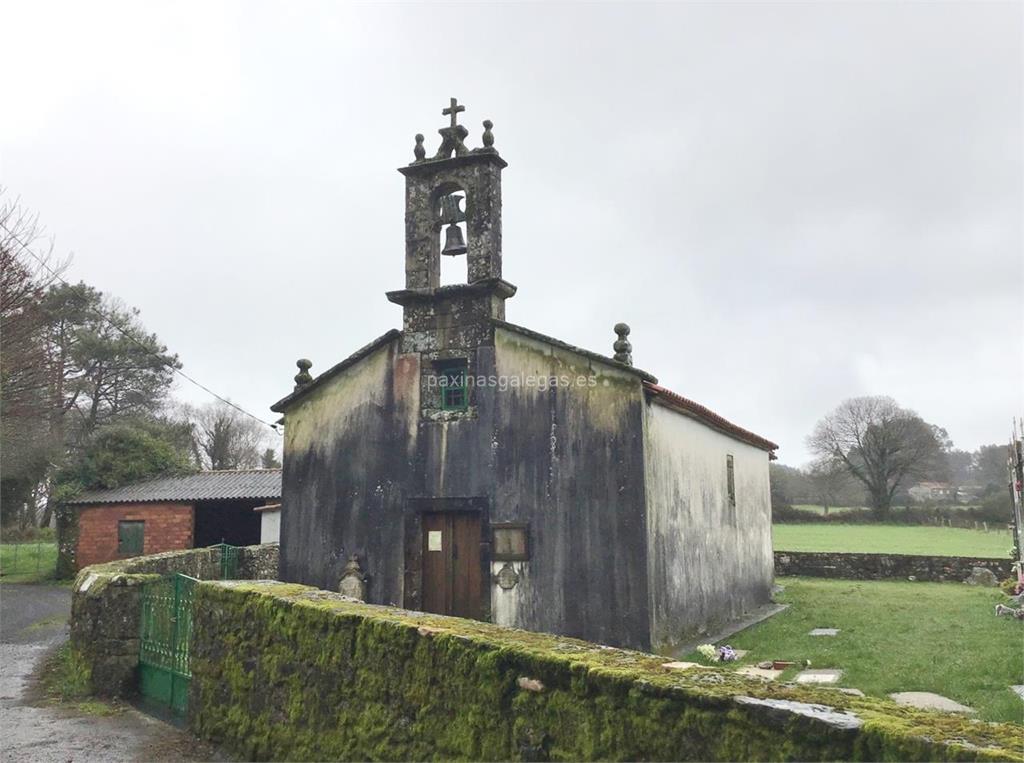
pixel 879 443
pixel 225 438
pixel 828 480
pixel 26 439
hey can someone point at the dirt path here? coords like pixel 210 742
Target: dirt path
pixel 33 621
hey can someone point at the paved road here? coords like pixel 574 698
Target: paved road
pixel 33 621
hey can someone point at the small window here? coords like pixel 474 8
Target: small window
pixel 730 476
pixel 452 381
pixel 511 543
pixel 130 535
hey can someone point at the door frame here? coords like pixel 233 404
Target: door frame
pixel 415 509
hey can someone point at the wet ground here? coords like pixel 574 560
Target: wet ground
pixel 33 623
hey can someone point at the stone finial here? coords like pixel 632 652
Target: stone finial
pixel 302 378
pixel 488 138
pixel 623 349
pixel 419 151
pixel 353 581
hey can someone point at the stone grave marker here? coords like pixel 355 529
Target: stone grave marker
pixel 752 672
pixel 818 676
pixel 926 700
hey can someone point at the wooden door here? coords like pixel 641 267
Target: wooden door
pixel 451 563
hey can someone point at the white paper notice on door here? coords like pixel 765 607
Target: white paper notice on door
pixel 433 540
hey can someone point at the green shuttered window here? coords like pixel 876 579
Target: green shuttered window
pixel 454 395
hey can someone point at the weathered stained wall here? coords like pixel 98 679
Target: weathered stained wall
pixel 621 552
pixel 347 459
pixel 708 561
pixel 569 461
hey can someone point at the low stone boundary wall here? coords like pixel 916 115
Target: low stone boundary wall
pixel 938 569
pixel 106 606
pixel 285 672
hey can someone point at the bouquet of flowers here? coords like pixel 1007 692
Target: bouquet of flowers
pixel 708 652
pixel 726 653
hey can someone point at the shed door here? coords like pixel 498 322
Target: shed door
pixel 451 563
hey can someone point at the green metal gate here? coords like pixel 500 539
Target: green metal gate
pixel 164 671
pixel 228 562
pixel 165 632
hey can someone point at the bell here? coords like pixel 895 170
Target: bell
pixel 454 243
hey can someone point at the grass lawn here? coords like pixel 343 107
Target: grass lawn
pixel 28 562
pixel 892 539
pixel 896 636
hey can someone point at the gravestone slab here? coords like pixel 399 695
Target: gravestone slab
pixel 1018 690
pixel 751 672
pixel 926 700
pixel 824 632
pixel 681 665
pixel 818 676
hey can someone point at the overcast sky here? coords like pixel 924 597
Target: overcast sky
pixel 791 204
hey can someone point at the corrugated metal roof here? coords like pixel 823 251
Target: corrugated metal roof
pixel 204 486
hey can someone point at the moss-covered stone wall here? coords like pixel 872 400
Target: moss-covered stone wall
pixel 106 606
pixel 285 672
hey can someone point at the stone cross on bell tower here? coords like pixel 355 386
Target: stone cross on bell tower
pixel 456 186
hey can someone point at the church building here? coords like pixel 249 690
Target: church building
pixel 469 466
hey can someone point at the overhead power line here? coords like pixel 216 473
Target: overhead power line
pixel 128 335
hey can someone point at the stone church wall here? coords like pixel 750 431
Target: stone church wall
pixel 285 672
pixel 709 561
pixel 569 461
pixel 348 452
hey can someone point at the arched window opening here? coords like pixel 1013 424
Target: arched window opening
pixel 453 243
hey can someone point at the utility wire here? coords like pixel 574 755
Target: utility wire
pixel 127 334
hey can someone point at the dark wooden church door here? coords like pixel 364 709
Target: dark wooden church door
pixel 451 563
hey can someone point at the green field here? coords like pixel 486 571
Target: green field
pixel 897 636
pixel 892 539
pixel 28 562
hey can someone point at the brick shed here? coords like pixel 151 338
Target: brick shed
pixel 170 513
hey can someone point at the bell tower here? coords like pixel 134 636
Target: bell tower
pixel 455 187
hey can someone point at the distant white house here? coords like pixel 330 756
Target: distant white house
pixel 270 522
pixel 933 491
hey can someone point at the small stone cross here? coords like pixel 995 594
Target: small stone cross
pixel 453 110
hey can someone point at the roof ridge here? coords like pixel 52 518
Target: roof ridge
pixel 351 360
pixel 233 471
pixel 212 484
pixel 538 336
pixel 684 404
